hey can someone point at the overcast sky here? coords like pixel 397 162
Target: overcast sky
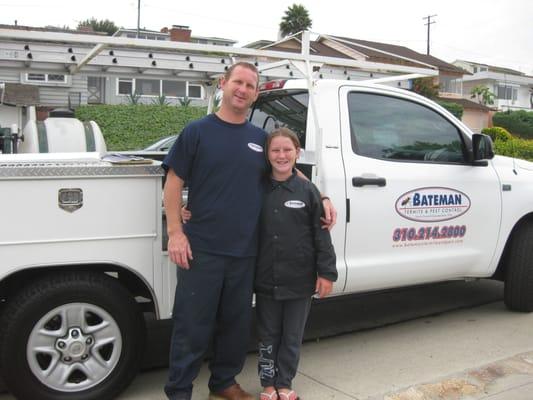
pixel 496 32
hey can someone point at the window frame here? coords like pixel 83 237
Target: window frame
pixel 466 141
pixel 134 88
pixel 511 89
pixel 25 78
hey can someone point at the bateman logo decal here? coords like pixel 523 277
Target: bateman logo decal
pixel 431 204
pixel 255 147
pixel 294 204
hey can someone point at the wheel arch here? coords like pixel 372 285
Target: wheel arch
pixel 499 274
pixel 134 283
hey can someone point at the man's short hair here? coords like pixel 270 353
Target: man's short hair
pixel 242 64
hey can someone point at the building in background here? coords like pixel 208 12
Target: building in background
pixel 513 90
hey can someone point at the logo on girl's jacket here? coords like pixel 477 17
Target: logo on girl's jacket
pixel 294 204
pixel 255 147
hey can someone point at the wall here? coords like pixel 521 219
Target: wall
pixel 476 120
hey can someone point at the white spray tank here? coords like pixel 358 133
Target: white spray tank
pixel 61 133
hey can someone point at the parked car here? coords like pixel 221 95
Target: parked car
pixel 162 144
pixel 156 151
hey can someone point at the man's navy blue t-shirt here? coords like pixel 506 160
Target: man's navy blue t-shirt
pixel 222 164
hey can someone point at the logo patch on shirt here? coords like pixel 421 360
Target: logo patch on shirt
pixel 294 204
pixel 255 147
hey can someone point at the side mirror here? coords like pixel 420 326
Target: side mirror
pixel 482 148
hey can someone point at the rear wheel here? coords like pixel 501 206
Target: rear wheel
pixel 71 336
pixel 519 270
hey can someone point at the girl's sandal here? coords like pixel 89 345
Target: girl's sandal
pixel 288 395
pixel 269 396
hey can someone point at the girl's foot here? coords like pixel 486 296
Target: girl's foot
pixel 287 394
pixel 269 393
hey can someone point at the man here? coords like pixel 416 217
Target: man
pixel 221 159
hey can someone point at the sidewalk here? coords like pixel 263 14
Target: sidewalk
pixel 507 379
pixel 485 352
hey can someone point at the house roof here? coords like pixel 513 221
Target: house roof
pixel 466 103
pixel 376 51
pixel 51 29
pixel 166 34
pixel 316 48
pixel 494 68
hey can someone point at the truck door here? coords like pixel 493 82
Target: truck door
pixel 418 211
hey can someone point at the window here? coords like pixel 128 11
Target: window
pixel 507 92
pixel 45 79
pixel 285 108
pixel 56 78
pixel 147 87
pixel 36 77
pixel 395 129
pixel 156 87
pixel 449 85
pixel 174 88
pixel 195 91
pixel 125 86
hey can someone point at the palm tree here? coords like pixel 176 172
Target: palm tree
pixel 296 19
pixel 483 94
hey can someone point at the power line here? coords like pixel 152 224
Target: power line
pixel 429 25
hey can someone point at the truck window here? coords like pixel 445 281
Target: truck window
pixel 395 129
pixel 282 108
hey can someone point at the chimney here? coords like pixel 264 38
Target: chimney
pixel 180 33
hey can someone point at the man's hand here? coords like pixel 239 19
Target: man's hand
pixel 330 214
pixel 323 287
pixel 179 250
pixel 185 214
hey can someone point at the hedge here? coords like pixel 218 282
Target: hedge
pixel 519 123
pixel 498 133
pixel 454 108
pixel 507 145
pixel 134 127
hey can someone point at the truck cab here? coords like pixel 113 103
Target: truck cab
pixel 417 202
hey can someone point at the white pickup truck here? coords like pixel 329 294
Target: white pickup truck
pixel 420 199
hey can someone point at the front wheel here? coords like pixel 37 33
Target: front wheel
pixel 71 336
pixel 519 270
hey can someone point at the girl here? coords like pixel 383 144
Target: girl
pixel 296 260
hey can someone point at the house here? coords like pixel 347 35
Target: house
pixel 117 76
pixel 513 90
pixel 450 77
pixel 177 33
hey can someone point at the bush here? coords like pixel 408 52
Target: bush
pixel 133 127
pixel 518 148
pixel 506 144
pixel 519 123
pixel 454 108
pixel 497 133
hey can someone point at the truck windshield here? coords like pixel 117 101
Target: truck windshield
pixel 282 108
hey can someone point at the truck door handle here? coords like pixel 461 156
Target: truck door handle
pixel 359 181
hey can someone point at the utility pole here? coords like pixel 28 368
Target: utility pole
pixel 138 17
pixel 428 24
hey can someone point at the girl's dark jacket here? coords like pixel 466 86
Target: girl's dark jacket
pixel 293 248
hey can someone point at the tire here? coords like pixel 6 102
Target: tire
pixel 518 287
pixel 71 336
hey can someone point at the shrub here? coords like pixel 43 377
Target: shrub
pixel 135 126
pixel 519 123
pixel 518 148
pixel 498 133
pixel 454 108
